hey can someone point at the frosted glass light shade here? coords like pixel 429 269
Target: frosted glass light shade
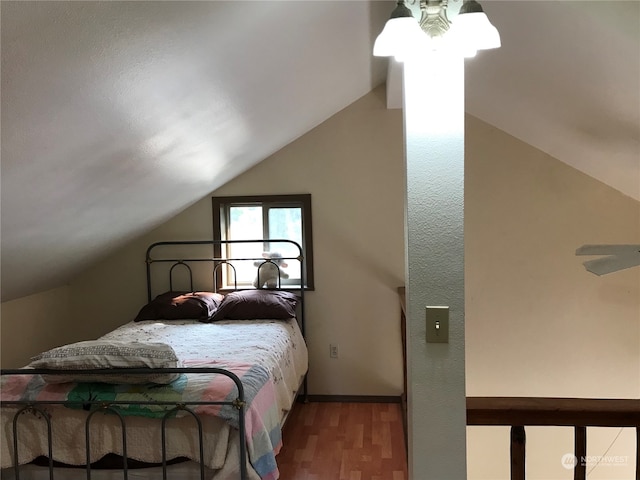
pixel 474 31
pixel 398 38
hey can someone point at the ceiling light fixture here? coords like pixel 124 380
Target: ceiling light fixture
pixel 469 32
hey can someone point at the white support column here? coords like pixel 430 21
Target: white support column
pixel 434 141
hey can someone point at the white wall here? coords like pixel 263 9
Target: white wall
pixel 434 143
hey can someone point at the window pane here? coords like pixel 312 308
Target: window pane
pixel 245 223
pixel 286 223
pixel 260 217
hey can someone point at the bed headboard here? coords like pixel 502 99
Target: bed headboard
pixel 223 266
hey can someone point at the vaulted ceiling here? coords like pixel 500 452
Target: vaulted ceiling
pixel 118 115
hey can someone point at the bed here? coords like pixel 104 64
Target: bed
pixel 164 396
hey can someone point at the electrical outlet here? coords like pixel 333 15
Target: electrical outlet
pixel 333 350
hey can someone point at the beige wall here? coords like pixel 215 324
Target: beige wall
pixel 353 167
pixel 529 298
pixel 112 293
pixel 536 322
pixel 33 324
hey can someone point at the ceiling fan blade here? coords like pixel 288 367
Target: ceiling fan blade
pixel 612 263
pixel 607 249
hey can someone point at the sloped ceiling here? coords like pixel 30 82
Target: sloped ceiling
pixel 567 81
pixel 118 115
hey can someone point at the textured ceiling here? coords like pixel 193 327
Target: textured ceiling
pixel 118 115
pixel 566 80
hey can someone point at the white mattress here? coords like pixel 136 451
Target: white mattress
pixel 276 345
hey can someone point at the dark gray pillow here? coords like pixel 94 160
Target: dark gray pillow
pixel 257 304
pixel 181 306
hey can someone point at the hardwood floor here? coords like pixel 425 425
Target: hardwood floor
pixel 343 441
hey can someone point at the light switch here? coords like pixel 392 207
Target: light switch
pixel 437 324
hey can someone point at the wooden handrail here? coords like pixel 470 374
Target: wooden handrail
pixel 579 413
pixel 588 412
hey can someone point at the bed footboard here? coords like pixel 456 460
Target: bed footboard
pixel 166 410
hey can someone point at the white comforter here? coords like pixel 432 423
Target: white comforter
pixel 276 345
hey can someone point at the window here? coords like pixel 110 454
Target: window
pixel 284 217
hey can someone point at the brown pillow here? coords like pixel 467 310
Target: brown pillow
pixel 257 304
pixel 181 306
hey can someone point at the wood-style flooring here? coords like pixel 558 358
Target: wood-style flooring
pixel 343 441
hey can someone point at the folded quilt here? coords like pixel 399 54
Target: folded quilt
pixel 262 416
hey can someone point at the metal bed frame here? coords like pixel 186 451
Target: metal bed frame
pixel 217 261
